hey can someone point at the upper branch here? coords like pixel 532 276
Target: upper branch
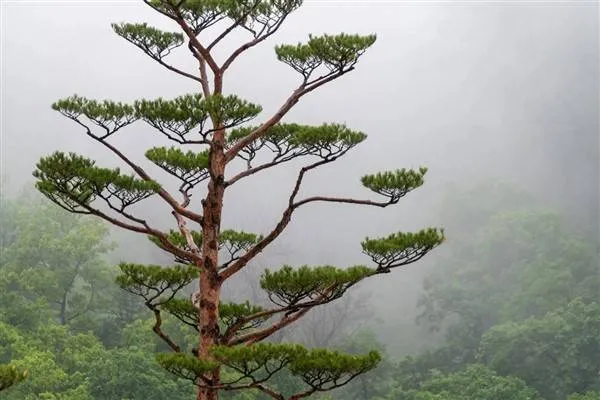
pixel 153 42
pixel 262 19
pixel 337 54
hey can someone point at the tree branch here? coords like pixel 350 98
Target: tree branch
pixel 254 337
pixel 344 200
pixel 283 222
pixel 289 103
pixel 178 71
pixel 157 329
pixel 206 56
pixel 235 24
pixel 252 43
pixel 142 174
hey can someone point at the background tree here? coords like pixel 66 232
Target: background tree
pixel 515 292
pixel 56 257
pixel 10 375
pixel 216 146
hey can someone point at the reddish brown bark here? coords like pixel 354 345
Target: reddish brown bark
pixel 210 281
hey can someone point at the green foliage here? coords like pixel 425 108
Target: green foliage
pixel 401 248
pixel 73 182
pixel 324 368
pixel 10 375
pixel 113 374
pixel 557 354
pixel 394 184
pixel 178 117
pixel 54 260
pixel 289 286
pixel 231 242
pixel 474 383
pixel 190 167
pixel 201 14
pixel 185 366
pixel 289 141
pixel 317 368
pixel 229 313
pixel 108 115
pixel 233 313
pixel 585 396
pixel 154 42
pixel 153 281
pixel 335 52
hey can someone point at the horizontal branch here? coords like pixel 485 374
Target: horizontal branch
pixel 382 204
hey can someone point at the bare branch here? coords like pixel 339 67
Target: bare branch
pixel 157 329
pixel 283 222
pixel 178 71
pixel 382 204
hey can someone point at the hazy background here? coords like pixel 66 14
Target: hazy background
pixel 472 90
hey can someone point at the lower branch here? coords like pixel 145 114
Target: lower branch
pixel 157 329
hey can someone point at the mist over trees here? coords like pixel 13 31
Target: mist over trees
pixel 501 102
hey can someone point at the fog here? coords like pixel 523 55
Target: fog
pixel 475 91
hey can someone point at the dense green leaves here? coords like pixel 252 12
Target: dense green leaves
pixel 10 375
pixel 319 368
pixel 288 141
pixel 259 17
pixel 154 42
pixel 394 184
pixel 474 383
pixel 289 286
pixel 73 182
pixel 401 248
pixel 190 167
pixel 185 366
pixel 557 354
pixel 337 53
pixel 153 281
pixel 326 369
pixel 108 115
pixel 57 258
pixel 178 117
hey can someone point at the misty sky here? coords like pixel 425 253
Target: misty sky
pixel 472 90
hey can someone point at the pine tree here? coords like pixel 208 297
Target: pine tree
pixel 211 134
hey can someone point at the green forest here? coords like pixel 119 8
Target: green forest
pixel 514 294
pixel 147 280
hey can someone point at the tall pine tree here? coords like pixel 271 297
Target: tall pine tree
pixel 211 135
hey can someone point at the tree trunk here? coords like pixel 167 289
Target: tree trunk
pixel 210 281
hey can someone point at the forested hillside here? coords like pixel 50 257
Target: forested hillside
pixel 514 294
